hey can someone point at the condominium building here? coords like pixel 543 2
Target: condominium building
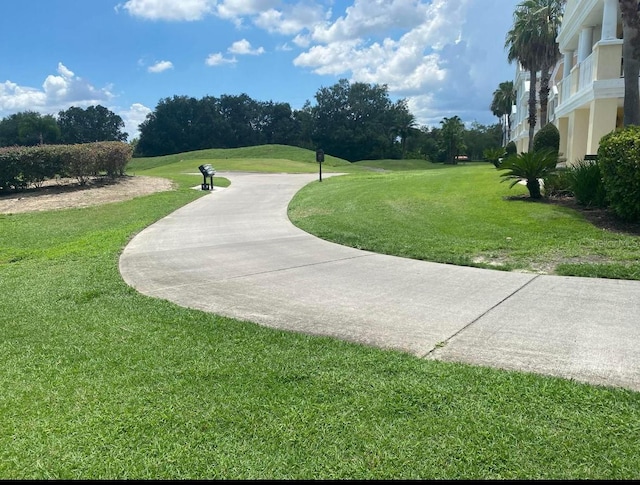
pixel 587 87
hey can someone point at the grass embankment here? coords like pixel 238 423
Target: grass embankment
pixel 99 381
pixel 265 158
pixel 462 215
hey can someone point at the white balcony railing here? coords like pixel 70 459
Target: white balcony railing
pixel 586 73
pixel 565 92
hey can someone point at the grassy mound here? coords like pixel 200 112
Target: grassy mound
pixel 262 158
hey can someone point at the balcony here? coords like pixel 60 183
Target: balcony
pixel 599 75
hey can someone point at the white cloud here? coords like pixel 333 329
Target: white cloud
pixel 291 19
pixel 132 118
pixel 438 54
pixel 235 9
pixel 372 17
pixel 243 47
pixel 14 98
pixel 218 59
pixel 58 92
pixel 174 10
pixel 409 64
pixel 160 66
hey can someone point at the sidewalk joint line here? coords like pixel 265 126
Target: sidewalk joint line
pixel 278 270
pixel 448 339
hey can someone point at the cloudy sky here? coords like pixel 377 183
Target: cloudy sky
pixel 446 57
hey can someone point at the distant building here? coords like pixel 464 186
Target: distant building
pixel 520 110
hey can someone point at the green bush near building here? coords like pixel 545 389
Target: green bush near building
pixel 619 164
pixel 547 138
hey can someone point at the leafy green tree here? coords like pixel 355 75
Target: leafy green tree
pixel 9 131
pixel 241 115
pixel 631 65
pixel 353 121
pixel 503 99
pixel 209 129
pixel 478 137
pixel 303 123
pixel 423 144
pixel 95 123
pixel 276 123
pixel 168 129
pixel 452 139
pixel 531 167
pixel 404 124
pixel 29 128
pixel 184 123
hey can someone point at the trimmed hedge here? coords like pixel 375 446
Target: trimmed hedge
pixel 21 167
pixel 547 138
pixel 619 162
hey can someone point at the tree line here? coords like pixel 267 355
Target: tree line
pixel 353 121
pixel 72 126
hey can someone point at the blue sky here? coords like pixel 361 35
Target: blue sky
pixel 446 57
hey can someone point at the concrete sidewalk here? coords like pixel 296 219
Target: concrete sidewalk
pixel 234 252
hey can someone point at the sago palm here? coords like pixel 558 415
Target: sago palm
pixel 494 155
pixel 530 167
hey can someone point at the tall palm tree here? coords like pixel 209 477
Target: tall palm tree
pixel 503 99
pixel 549 14
pixel 532 42
pixel 631 56
pixel 452 138
pixel 403 124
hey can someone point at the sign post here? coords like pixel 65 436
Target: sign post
pixel 320 160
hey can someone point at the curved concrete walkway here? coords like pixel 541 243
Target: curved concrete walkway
pixel 234 252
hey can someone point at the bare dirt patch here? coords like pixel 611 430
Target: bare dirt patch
pixel 68 193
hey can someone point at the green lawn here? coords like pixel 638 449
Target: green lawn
pixel 101 382
pixel 462 215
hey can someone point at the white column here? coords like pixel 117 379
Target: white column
pixel 585 43
pixel 609 20
pixel 568 64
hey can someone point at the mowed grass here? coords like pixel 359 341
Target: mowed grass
pixel 462 215
pixel 101 382
pixel 395 165
pixel 264 158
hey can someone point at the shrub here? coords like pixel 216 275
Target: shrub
pixel 511 149
pixel 547 138
pixel 530 166
pixel 585 180
pixel 9 168
pixel 494 155
pixel 558 184
pixel 21 167
pixel 619 163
